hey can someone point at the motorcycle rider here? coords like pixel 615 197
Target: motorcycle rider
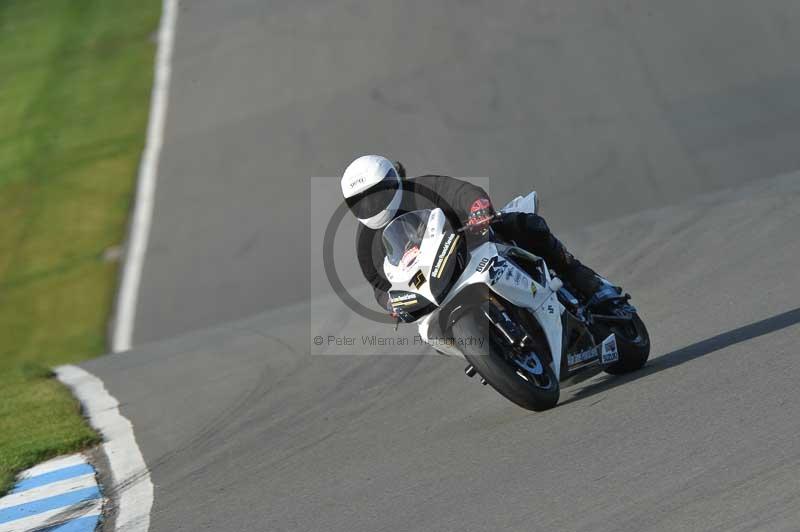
pixel 376 191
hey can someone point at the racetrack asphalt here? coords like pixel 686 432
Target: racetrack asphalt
pixel 605 109
pixel 653 132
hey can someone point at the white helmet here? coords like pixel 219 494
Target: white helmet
pixel 372 190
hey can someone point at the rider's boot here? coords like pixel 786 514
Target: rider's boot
pixel 591 288
pixel 531 232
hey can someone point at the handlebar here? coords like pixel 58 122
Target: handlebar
pixel 468 228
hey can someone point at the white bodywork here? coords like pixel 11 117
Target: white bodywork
pixel 510 281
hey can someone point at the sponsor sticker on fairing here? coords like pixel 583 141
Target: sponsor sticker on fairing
pixel 418 280
pixel 497 268
pixel 580 358
pixel 408 298
pixel 608 351
pixel 447 250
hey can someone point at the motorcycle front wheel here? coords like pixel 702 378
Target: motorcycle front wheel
pixel 528 381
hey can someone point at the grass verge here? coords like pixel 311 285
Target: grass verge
pixel 75 80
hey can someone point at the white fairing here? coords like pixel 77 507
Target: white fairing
pixel 516 286
pixel 488 265
pixel 401 276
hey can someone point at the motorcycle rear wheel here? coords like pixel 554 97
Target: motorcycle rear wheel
pixel 633 343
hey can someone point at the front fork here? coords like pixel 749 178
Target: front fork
pixel 523 349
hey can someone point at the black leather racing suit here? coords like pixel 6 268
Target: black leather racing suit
pixel 461 201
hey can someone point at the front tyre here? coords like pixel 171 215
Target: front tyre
pixel 531 384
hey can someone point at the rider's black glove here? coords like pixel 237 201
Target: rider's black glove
pixel 505 223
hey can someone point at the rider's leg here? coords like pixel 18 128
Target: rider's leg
pixel 531 232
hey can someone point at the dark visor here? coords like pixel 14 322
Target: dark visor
pixel 376 198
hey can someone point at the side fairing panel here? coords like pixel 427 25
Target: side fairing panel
pixel 512 283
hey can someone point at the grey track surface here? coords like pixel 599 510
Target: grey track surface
pixel 604 107
pixel 653 131
pixel 243 430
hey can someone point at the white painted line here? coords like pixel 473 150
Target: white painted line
pixel 53 517
pixel 146 184
pixel 48 490
pixel 52 465
pixel 132 487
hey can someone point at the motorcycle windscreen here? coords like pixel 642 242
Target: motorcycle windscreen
pixel 402 238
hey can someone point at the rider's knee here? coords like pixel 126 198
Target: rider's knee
pixel 536 225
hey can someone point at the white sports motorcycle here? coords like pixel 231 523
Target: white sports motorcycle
pixel 500 308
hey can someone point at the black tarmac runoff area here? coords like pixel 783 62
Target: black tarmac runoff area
pixel 664 141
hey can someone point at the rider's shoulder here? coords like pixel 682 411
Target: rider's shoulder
pixel 426 177
pixel 431 180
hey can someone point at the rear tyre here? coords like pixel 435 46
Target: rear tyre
pixel 533 389
pixel 633 344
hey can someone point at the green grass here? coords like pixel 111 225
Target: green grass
pixel 75 80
